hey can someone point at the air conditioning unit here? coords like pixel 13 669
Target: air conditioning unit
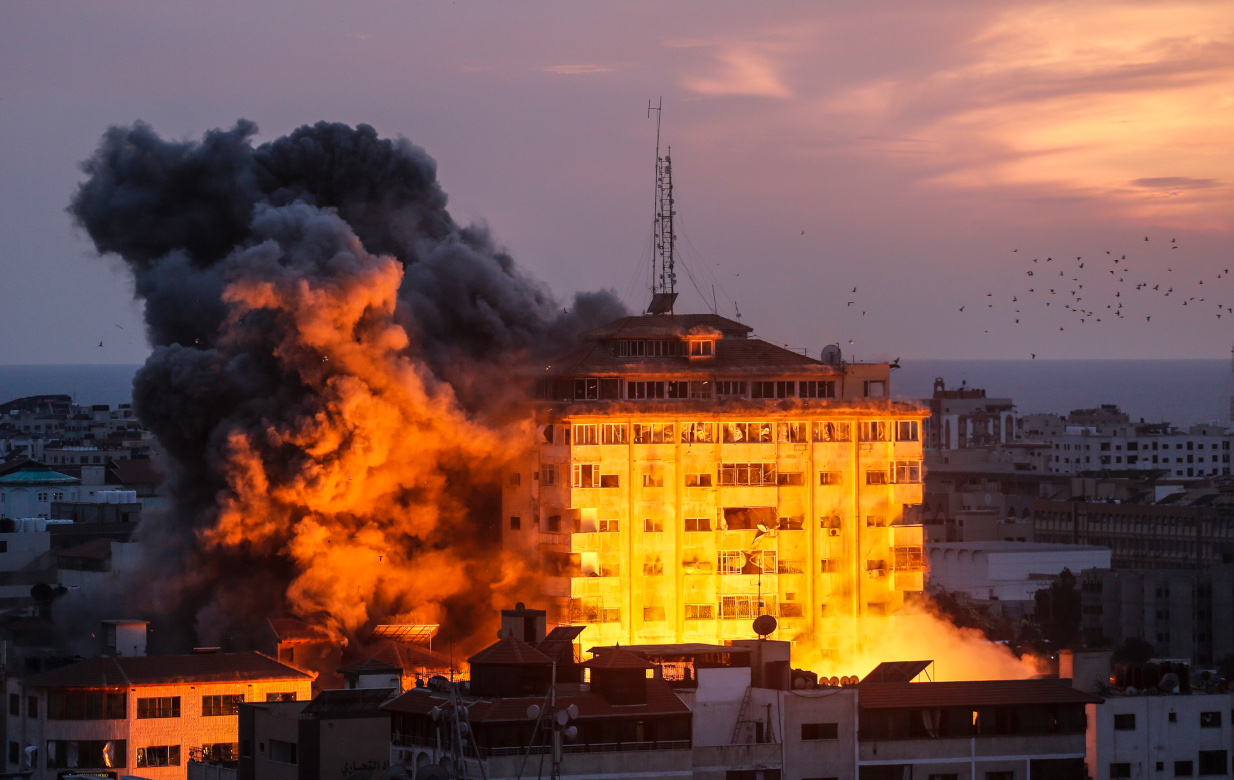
pixel 833 531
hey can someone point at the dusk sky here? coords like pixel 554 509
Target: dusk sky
pixel 924 154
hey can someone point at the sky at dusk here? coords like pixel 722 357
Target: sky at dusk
pixel 924 154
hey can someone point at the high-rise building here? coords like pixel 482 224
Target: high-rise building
pixel 686 477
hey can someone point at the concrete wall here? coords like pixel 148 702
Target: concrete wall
pixel 1155 738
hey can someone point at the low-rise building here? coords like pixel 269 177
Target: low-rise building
pixel 138 715
pixel 1007 572
pixel 1167 736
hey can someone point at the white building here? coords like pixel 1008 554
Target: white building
pixel 1158 737
pixel 30 491
pixel 1201 451
pixel 1007 571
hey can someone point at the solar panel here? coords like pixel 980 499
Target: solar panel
pixel 896 671
pixel 408 634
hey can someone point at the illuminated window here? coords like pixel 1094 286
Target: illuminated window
pixel 872 430
pixel 833 431
pixel 875 388
pixel 698 480
pixel 161 755
pixel 830 477
pixel 702 348
pixel 214 706
pixel 700 611
pixel 652 566
pixel 703 433
pixel 792 432
pixel 652 525
pixel 587 389
pixel 159 707
pixel 907 471
pixel 698 524
pixel 876 477
pixel 548 475
pixel 653 433
pixel 747 474
pixel 586 475
pixel 609 526
pixel 610 481
pixel 748 432
pixel 585 434
pixel 614 433
pixel 907 430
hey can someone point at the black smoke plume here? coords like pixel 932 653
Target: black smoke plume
pixel 296 294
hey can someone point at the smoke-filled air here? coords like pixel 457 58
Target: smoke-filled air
pixel 330 382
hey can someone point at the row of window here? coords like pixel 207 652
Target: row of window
pixel 616 389
pixel 113 754
pixel 1133 446
pixel 743 518
pixel 1208 720
pixel 1211 762
pixel 84 705
pixel 732 432
pixel 588 475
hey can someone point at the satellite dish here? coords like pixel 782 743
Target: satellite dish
pixel 831 355
pixel 533 711
pixel 764 625
pixel 572 711
pixel 571 732
pixel 1169 682
pixel 562 717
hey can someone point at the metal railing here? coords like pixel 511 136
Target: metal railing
pixel 410 740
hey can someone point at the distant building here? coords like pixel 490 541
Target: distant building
pixel 1105 440
pixel 963 418
pixel 1167 736
pixel 30 491
pixel 1009 573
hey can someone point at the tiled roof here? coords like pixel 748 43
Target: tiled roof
pixel 510 652
pixel 733 356
pixel 137 471
pixel 969 693
pixel 665 325
pixel 164 670
pixel 617 658
pixel 660 701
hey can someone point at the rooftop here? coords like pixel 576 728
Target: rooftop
pixel 37 475
pixel 666 325
pixel 165 669
pixel 969 693
pixel 509 651
pixel 660 701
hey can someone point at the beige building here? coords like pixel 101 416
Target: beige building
pixel 139 715
pixel 687 477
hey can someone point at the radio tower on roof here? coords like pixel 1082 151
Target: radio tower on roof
pixel 663 274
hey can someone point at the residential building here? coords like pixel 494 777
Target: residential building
pixel 31 490
pixel 1164 736
pixel 687 477
pixel 964 418
pixel 138 715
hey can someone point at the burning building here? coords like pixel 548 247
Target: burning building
pixel 686 477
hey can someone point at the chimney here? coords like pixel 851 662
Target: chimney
pixel 124 637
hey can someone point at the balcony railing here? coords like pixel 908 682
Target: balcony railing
pixel 409 740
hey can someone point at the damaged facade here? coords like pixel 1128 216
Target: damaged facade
pixel 687 477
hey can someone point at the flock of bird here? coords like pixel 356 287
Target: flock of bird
pixel 1080 291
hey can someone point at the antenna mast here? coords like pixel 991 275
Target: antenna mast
pixel 663 275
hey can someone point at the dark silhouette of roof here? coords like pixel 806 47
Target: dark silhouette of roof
pixel 617 658
pixel 970 693
pixel 348 703
pixel 666 325
pixel 510 652
pixel 164 669
pixel 370 666
pixel 661 700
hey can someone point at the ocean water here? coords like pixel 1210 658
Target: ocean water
pixel 1183 392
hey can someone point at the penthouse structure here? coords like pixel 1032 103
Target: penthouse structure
pixel 686 477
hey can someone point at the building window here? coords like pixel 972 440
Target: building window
pixel 704 348
pixel 653 433
pixel 587 389
pixel 586 475
pixel 281 696
pixel 698 524
pixel 548 475
pixel 872 430
pixel 653 566
pixel 1184 769
pixel 283 752
pixel 1213 762
pixel 812 731
pixel 739 607
pixel 86 753
pixel 516 523
pixel 875 477
pixel 1124 721
pixel 653 477
pixel 790 478
pixel 159 707
pixel 730 389
pixel 32 706
pixel 698 480
pixel 875 388
pixel 833 431
pixel 644 391
pixel 679 389
pixel 907 471
pixel 700 390
pixel 610 480
pixel 652 525
pixel 830 477
pixel 753 433
pixel 700 611
pixel 703 433
pixel 15 753
pixel 907 430
pixel 747 474
pixel 80 705
pixel 653 614
pixel 1120 771
pixel 1210 720
pixel 813 389
pixel 585 434
pixel 15 705
pixel 610 526
pixel 614 433
pixel 554 524
pixel 220 751
pixel 160 755
pixel 793 433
